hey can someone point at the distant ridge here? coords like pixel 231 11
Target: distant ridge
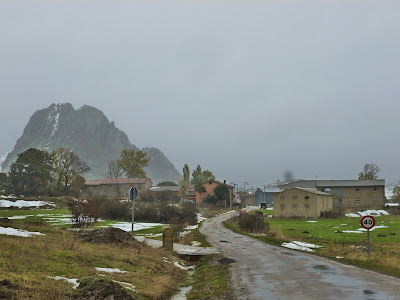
pixel 88 133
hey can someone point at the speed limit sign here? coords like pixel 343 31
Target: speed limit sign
pixel 367 222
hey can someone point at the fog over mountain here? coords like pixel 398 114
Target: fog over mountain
pixel 87 132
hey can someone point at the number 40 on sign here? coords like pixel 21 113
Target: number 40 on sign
pixel 367 222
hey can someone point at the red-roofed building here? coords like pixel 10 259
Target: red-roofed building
pixel 209 187
pixel 115 187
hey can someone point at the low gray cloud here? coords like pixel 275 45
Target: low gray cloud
pixel 245 89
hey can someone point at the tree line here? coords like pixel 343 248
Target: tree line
pixel 61 172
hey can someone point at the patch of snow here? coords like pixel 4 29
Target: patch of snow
pixel 311 221
pixel 18 232
pixel 23 203
pixel 302 244
pixel 373 228
pixel 370 212
pixel 128 286
pixel 296 247
pixel 127 226
pixel 7 197
pixel 19 217
pixel 351 231
pixel 109 270
pixel 391 204
pixel 152 235
pixel 74 281
pixel 191 227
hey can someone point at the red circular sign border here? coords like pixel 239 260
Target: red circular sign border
pixel 373 219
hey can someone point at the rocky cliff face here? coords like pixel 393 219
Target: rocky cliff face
pixel 88 133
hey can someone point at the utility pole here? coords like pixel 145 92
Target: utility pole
pixel 230 194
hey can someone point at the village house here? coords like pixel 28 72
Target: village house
pixel 265 194
pixel 174 189
pixel 347 194
pixel 247 199
pixel 209 187
pixel 115 187
pixel 301 203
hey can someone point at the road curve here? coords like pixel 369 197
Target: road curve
pixel 263 271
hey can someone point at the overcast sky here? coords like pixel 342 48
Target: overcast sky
pixel 246 89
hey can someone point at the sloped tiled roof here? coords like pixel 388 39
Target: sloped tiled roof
pixel 118 181
pixel 333 183
pixel 172 188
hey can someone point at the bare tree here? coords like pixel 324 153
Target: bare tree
pixel 370 171
pixel 114 170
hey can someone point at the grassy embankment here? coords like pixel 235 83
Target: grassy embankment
pixel 338 244
pixel 27 263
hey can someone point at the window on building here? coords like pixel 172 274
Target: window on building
pixel 283 206
pixel 294 197
pixel 282 198
pixel 294 205
pixel 357 189
pixel 374 189
pixel 375 200
pixel 307 205
pixel 306 197
pixel 357 200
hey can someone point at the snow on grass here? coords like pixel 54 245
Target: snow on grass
pixel 7 197
pixel 373 228
pixel 351 231
pixel 295 245
pixel 392 204
pixel 109 270
pixel 127 226
pixel 74 281
pixel 361 230
pixel 370 212
pixel 311 221
pixel 128 286
pixel 19 217
pixel 191 227
pixel 23 203
pixel 178 264
pixel 200 218
pixel 18 232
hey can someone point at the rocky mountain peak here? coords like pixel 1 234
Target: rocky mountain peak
pixel 87 132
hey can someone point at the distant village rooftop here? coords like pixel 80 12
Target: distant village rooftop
pixel 117 181
pixel 333 183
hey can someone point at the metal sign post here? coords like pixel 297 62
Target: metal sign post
pixel 132 197
pixel 368 222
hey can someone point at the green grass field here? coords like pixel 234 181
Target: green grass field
pixel 336 243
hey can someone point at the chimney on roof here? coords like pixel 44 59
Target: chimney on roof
pixel 224 181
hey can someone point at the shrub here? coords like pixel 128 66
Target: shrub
pixel 253 223
pixel 189 214
pixel 147 212
pixel 117 210
pixel 211 199
pixel 85 211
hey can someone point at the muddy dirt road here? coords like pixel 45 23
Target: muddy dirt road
pixel 262 271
